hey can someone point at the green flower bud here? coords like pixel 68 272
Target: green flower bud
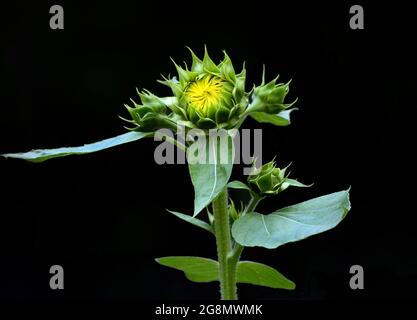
pixel 269 98
pixel 268 179
pixel 208 95
pixel 152 114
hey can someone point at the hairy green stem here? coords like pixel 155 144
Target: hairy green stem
pixel 228 256
pixel 227 273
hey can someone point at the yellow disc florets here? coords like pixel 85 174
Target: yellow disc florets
pixel 205 93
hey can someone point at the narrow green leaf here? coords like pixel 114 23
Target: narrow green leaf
pixel 238 185
pixel 280 119
pixel 45 154
pixel 210 177
pixel 292 223
pixel 197 222
pixel 195 268
pixel 262 275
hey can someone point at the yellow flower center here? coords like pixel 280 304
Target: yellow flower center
pixel 205 93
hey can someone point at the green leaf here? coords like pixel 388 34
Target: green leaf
pixel 210 177
pixel 199 269
pixel 197 222
pixel 238 185
pixel 292 223
pixel 280 119
pixel 262 275
pixel 195 268
pixel 45 154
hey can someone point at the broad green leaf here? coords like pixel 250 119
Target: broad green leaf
pixel 292 223
pixel 45 154
pixel 238 185
pixel 211 174
pixel 262 275
pixel 280 119
pixel 197 222
pixel 199 269
pixel 195 268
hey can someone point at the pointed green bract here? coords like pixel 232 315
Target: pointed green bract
pixel 45 154
pixel 292 223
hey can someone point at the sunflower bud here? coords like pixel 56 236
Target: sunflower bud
pixel 271 180
pixel 208 95
pixel 152 114
pixel 267 180
pixel 269 98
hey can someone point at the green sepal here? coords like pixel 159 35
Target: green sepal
pixel 208 64
pixel 184 76
pixel 197 65
pixel 173 84
pixel 226 68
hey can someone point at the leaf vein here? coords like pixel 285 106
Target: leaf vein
pixel 263 221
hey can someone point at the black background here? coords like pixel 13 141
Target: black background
pixel 102 216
